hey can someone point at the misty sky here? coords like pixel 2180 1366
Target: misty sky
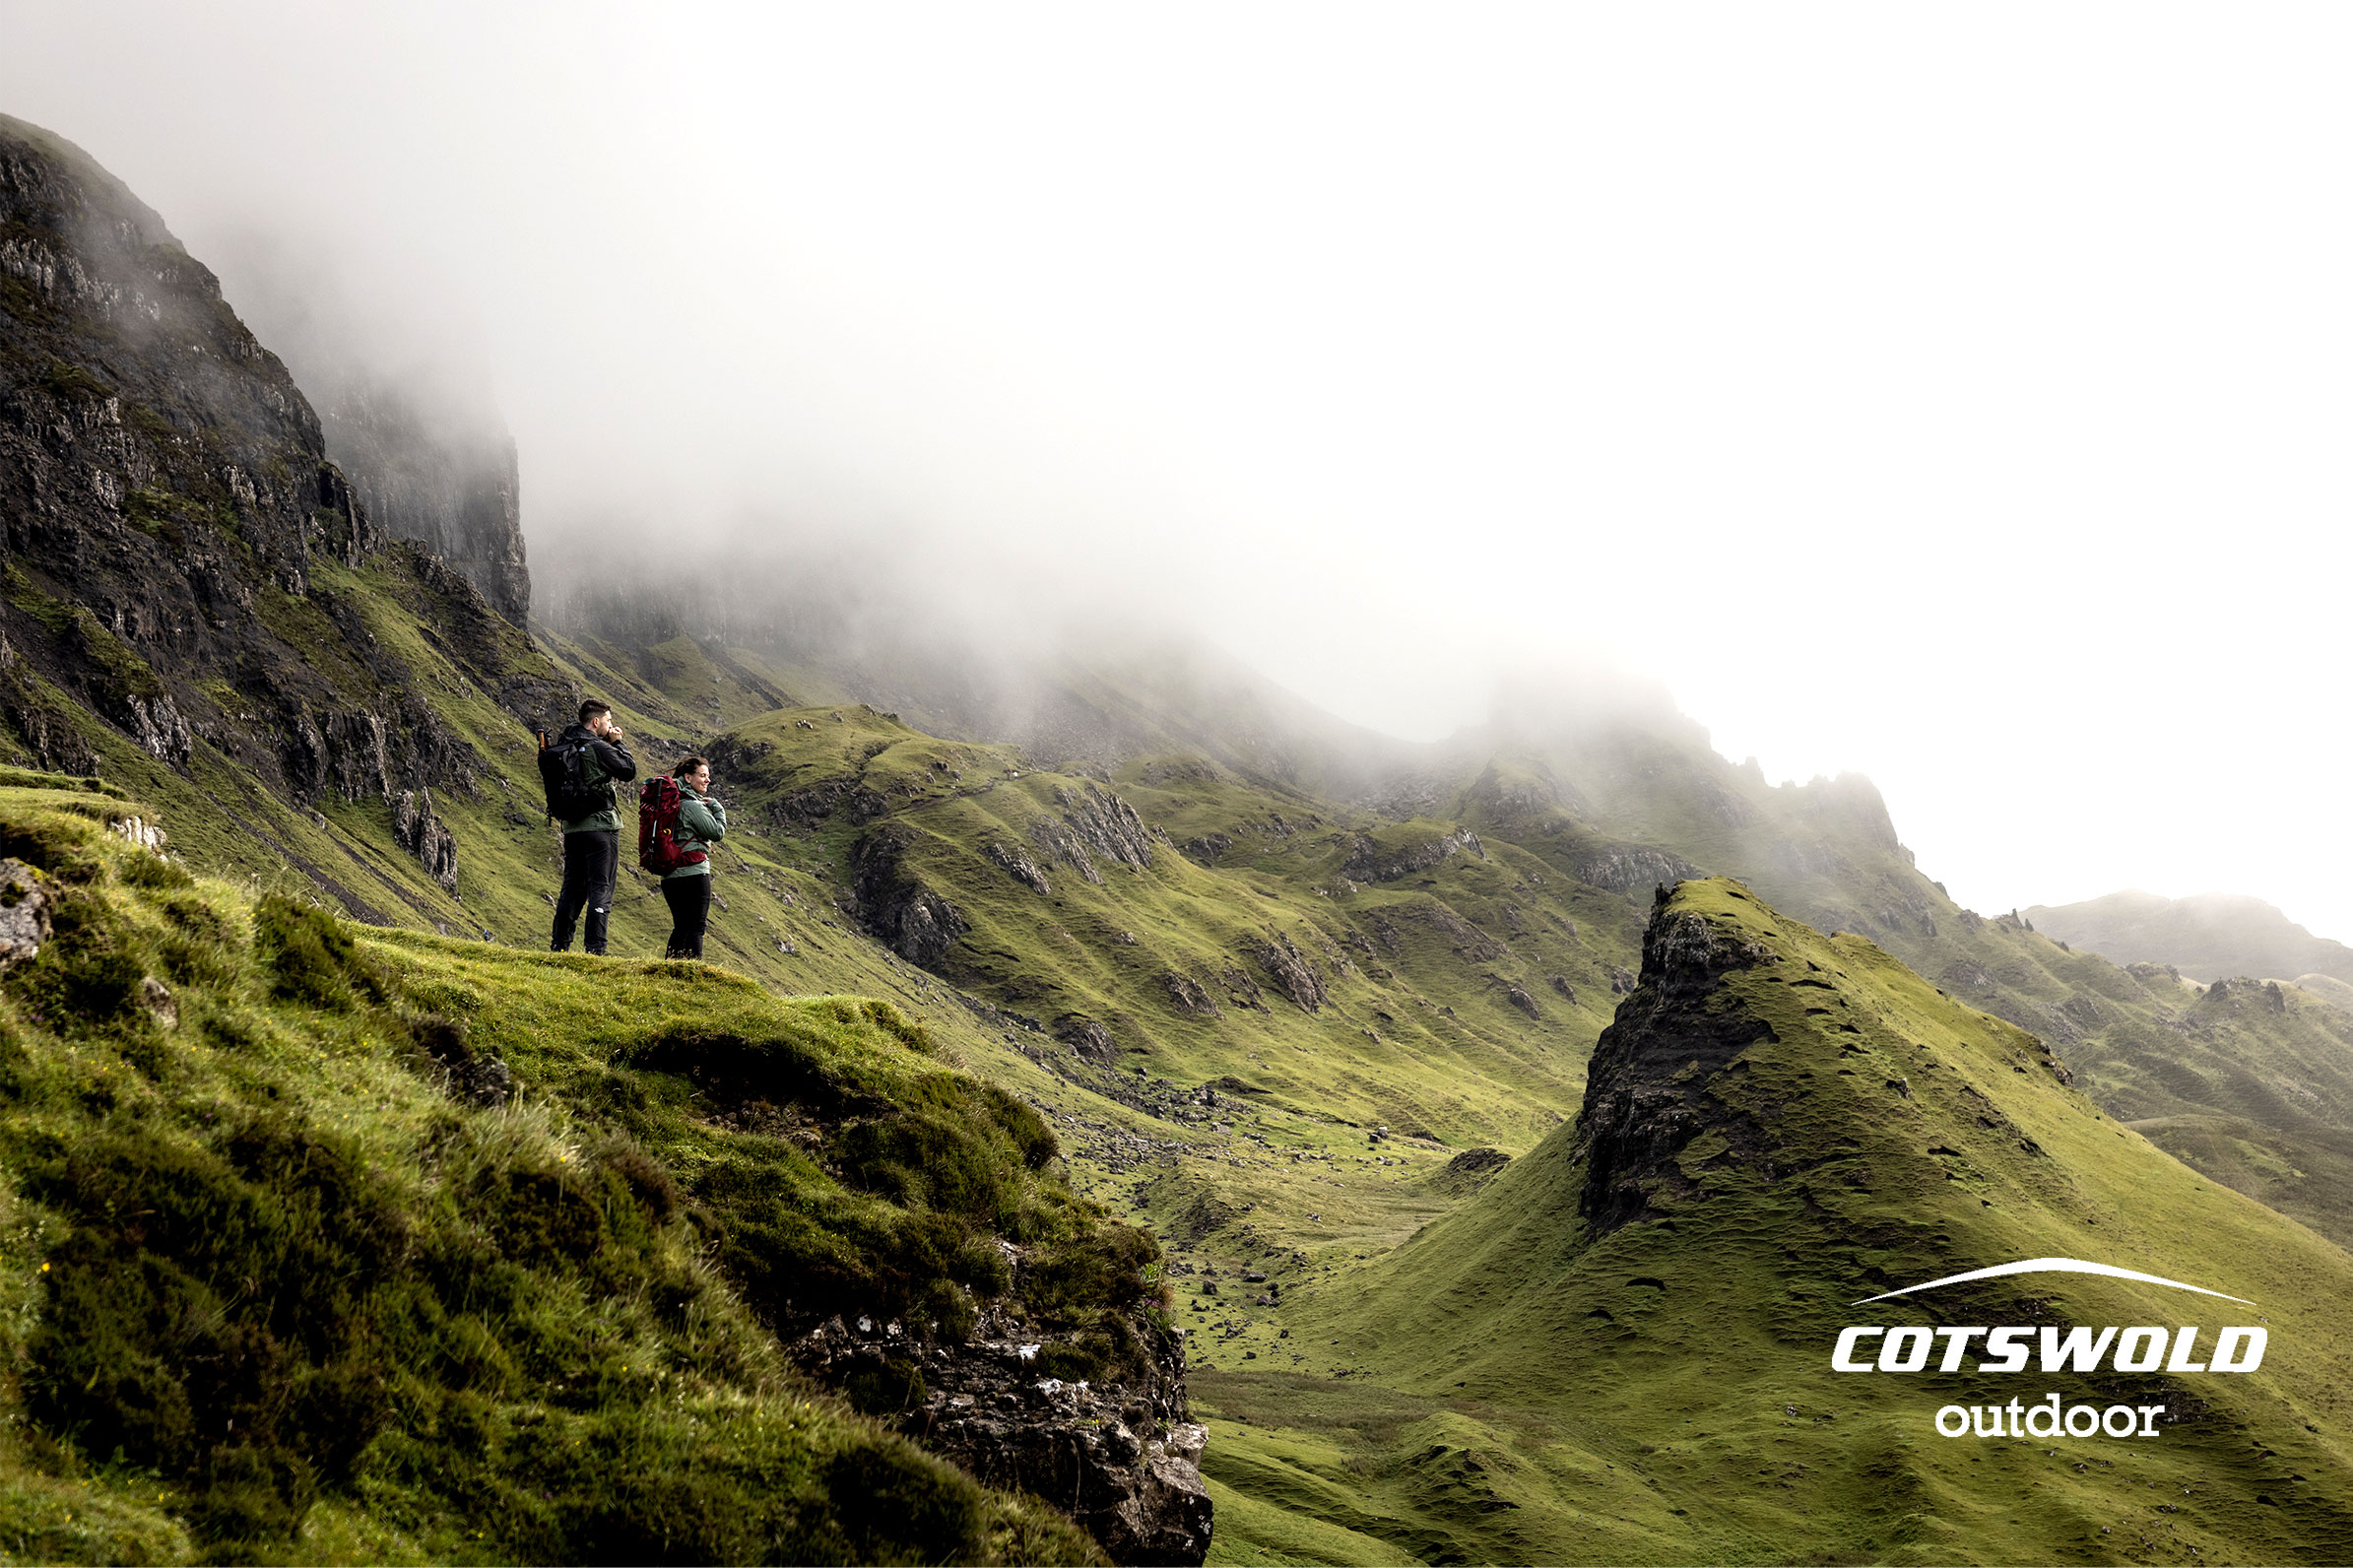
pixel 1954 395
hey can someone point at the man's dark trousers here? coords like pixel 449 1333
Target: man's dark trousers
pixel 591 861
pixel 689 900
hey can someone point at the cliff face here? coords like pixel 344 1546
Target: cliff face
pixel 183 565
pixel 1646 1094
pixel 449 487
pixel 131 385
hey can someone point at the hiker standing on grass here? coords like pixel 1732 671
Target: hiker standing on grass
pixel 701 822
pixel 580 769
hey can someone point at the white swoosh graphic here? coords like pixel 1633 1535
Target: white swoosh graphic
pixel 2054 1265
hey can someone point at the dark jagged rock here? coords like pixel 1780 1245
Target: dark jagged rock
pixel 424 834
pixel 1087 1037
pixel 1190 996
pixel 24 912
pixel 1469 1171
pixel 2233 994
pixel 1293 975
pixel 1369 862
pixel 806 809
pixel 1094 823
pixel 1018 865
pixel 913 921
pixel 1623 867
pixel 1208 849
pixel 1646 1097
pixel 1123 1460
pixel 42 722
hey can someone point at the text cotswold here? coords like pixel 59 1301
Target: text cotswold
pixel 2141 1350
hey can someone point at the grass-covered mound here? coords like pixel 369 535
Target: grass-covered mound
pixel 1622 1349
pixel 288 1270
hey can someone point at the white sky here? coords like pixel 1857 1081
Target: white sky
pixel 1955 395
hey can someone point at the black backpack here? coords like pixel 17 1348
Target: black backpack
pixel 563 771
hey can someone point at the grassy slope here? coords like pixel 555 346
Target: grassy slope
pixel 274 1291
pixel 1665 1394
pixel 1415 1028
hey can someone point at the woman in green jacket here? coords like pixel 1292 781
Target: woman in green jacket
pixel 701 822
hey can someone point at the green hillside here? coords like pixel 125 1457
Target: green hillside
pixel 1178 919
pixel 1620 1350
pixel 416 1250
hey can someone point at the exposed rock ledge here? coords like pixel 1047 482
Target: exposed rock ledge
pixel 1124 1461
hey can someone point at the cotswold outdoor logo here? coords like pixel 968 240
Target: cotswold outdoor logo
pixel 2150 1347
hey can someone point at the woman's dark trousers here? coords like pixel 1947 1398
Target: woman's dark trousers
pixel 689 900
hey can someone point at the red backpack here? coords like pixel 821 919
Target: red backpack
pixel 658 804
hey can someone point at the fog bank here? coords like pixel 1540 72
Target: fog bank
pixel 1952 399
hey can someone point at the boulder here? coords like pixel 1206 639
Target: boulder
pixel 24 912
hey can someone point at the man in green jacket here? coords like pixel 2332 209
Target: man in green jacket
pixel 701 823
pixel 592 842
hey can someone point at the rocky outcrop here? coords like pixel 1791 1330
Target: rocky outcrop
pixel 1207 849
pixel 155 722
pixel 1189 995
pixel 1470 944
pixel 805 809
pixel 911 919
pixel 1368 861
pixel 1123 1460
pixel 1087 1037
pixel 24 912
pixel 1094 822
pixel 41 719
pixel 1525 800
pixel 1469 1172
pixel 134 829
pixel 188 408
pixel 1519 996
pixel 423 833
pixel 342 752
pixel 1292 974
pixel 1629 868
pixel 446 482
pixel 1646 1097
pixel 1851 805
pixel 2232 996
pixel 1018 865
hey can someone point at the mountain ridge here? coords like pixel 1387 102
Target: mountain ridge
pixel 2208 937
